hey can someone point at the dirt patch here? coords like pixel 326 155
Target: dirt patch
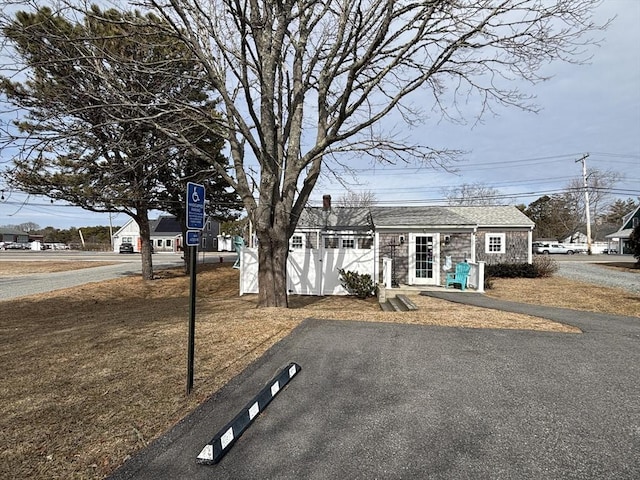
pixel 93 373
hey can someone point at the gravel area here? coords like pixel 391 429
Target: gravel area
pixel 599 275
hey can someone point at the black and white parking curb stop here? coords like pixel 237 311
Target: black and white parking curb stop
pixel 222 442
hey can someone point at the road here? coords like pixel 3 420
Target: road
pixel 13 287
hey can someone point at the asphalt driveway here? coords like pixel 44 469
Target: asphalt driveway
pixel 393 401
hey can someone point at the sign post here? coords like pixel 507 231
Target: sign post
pixel 195 223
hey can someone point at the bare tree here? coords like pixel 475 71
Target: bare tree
pixel 474 194
pixel 304 80
pixel 357 199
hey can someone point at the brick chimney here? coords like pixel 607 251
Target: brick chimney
pixel 326 202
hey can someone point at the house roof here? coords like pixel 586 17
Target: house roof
pixel 417 217
pixel 354 218
pixel 166 224
pixel 626 233
pixel 495 216
pixel 12 231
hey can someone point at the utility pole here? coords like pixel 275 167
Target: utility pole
pixel 586 199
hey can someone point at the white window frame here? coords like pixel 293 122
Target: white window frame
pixel 329 241
pixel 488 244
pixel 348 243
pixel 295 245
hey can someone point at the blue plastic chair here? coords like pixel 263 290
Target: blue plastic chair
pixel 459 277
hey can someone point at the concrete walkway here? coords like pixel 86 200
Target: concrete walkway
pixel 586 321
pixel 392 401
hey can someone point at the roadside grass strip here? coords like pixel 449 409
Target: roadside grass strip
pixel 222 441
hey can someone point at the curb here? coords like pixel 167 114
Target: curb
pixel 222 441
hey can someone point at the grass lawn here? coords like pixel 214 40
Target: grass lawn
pixel 93 373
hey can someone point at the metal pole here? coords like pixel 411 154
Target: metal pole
pixel 193 260
pixel 586 200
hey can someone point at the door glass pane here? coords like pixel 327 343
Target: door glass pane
pixel 424 257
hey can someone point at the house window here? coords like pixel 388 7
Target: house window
pixel 635 221
pixel 297 242
pixel 495 243
pixel 365 243
pixel 167 243
pixel 159 242
pixel 330 242
pixel 348 243
pixel 127 240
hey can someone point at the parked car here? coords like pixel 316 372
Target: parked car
pixel 16 246
pixel 547 248
pixel 126 248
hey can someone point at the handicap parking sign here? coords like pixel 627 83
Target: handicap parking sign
pixel 193 238
pixel 195 206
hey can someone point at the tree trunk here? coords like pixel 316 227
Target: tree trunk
pixel 273 250
pixel 145 247
pixel 186 251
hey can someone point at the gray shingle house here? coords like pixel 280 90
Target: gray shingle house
pixel 417 245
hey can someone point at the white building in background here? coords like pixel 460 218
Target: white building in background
pixel 166 235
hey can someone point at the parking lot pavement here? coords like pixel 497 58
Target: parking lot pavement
pixel 393 401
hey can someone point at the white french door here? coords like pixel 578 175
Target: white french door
pixel 424 258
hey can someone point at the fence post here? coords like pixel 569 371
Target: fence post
pixel 480 286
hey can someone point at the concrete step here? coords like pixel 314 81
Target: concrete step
pixel 408 304
pixel 397 305
pixel 386 307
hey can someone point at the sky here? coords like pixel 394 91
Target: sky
pixel 589 109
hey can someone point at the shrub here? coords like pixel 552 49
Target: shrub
pixel 360 285
pixel 545 266
pixel 542 267
pixel 488 282
pixel 510 270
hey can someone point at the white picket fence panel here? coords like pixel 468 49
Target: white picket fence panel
pixel 310 271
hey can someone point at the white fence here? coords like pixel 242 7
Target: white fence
pixel 310 271
pixel 476 276
pixel 596 247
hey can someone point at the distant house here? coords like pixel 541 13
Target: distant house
pixel 418 244
pixel 11 235
pixel 619 240
pixel 166 235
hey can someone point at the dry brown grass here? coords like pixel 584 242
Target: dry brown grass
pixel 92 374
pixel 43 266
pixel 564 293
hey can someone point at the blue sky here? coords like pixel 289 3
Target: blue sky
pixel 593 108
